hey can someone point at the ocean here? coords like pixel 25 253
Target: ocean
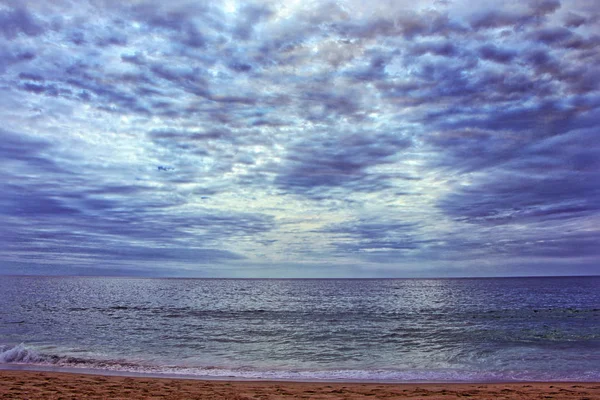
pixel 385 330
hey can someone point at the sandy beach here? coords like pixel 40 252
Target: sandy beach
pixel 54 386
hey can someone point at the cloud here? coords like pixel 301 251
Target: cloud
pixel 14 21
pixel 12 55
pixel 374 240
pixel 250 16
pixel 545 7
pixel 567 245
pixel 493 53
pixel 68 216
pixel 551 36
pixel 553 179
pixel 534 14
pixel 264 134
pixel 329 162
pixel 574 20
pixel 28 151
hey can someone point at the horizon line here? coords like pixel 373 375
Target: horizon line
pixel 296 278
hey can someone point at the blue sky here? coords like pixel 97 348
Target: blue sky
pixel 300 138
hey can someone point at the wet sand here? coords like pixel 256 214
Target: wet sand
pixel 54 386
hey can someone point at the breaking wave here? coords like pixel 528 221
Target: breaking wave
pixel 20 355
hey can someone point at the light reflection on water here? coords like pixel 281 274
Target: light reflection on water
pixel 495 325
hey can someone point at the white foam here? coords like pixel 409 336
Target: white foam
pixel 22 356
pixel 18 354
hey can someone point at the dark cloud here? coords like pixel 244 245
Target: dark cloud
pixel 240 67
pixel 189 79
pixel 369 230
pixel 499 55
pixel 321 104
pixel 329 162
pixel 20 146
pixel 23 203
pixel 513 200
pixel 553 179
pixel 567 245
pixel 14 21
pixel 537 11
pixel 29 151
pixel 499 19
pixel 188 24
pixel 45 251
pixel 551 36
pixel 544 7
pixel 376 241
pixel 540 120
pixel 408 25
pixel 137 58
pixel 441 48
pixel 250 16
pixel 574 20
pixel 475 149
pixel 179 135
pixel 113 38
pixel 13 55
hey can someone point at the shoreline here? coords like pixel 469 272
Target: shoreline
pixel 25 367
pixel 21 384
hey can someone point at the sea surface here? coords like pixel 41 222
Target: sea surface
pixel 395 330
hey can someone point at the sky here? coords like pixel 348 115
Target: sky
pixel 292 138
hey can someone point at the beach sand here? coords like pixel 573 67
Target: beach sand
pixel 54 386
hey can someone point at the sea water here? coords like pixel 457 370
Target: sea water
pixel 397 330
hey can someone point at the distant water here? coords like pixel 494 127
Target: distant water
pixel 383 329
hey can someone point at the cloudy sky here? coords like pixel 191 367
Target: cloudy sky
pixel 300 138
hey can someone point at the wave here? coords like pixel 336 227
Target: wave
pixel 19 354
pixel 22 356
